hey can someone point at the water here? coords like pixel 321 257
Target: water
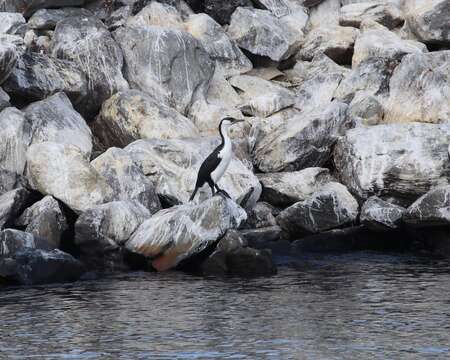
pixel 358 306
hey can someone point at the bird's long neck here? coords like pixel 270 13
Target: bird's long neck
pixel 226 141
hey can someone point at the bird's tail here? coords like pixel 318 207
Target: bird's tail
pixel 193 194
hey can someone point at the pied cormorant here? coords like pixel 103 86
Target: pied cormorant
pixel 217 162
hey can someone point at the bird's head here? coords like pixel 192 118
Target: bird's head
pixel 229 121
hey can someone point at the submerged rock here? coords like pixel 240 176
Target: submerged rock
pixel 380 215
pixel 330 207
pixel 175 234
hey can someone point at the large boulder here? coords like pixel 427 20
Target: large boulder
pixel 330 207
pixel 132 115
pixel 88 43
pixel 126 178
pixel 64 172
pixel 169 65
pixel 420 89
pixel 11 205
pixel 37 76
pixel 104 228
pixel 44 219
pixel 380 215
pixel 248 26
pixel 301 141
pixel 386 14
pixel 15 137
pixel 218 45
pixel 429 20
pixel 399 160
pixel 46 19
pixel 172 165
pixel 175 234
pixel 28 7
pixel 431 209
pixel 55 120
pixel 286 188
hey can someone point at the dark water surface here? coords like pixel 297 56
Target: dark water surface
pixel 358 306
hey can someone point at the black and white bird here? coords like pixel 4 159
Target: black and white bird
pixel 218 161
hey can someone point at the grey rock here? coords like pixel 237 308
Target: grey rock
pixel 126 178
pixel 158 14
pixel 261 215
pixel 8 58
pixel 10 22
pixel 259 238
pixel 55 120
pixel 330 207
pixel 46 19
pixel 28 7
pixel 251 262
pixel 118 18
pixel 431 209
pixel 88 43
pixel 324 14
pixel 64 172
pixel 218 45
pixel 287 188
pixel 386 14
pixel 177 73
pixel 132 115
pixel 45 219
pixel 9 181
pixel 104 228
pixel 380 215
pixel 249 25
pixel 398 160
pixel 37 266
pixel 367 108
pixel 13 241
pixel 172 165
pixel 301 141
pixel 11 204
pixel 37 76
pixel 420 89
pixel 175 234
pixel 4 100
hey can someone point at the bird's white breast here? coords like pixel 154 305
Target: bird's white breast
pixel 225 156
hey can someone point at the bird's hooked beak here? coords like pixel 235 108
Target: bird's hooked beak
pixel 237 121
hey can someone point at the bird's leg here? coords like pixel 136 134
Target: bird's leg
pixel 211 185
pixel 223 192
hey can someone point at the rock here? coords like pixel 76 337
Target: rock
pixel 55 120
pixel 177 74
pixel 4 100
pixel 9 181
pixel 126 179
pixel 28 7
pixel 175 234
pixel 218 45
pixel 330 207
pixel 8 58
pixel 118 18
pixel 367 108
pixel 335 42
pixel 300 141
pixel 430 20
pixel 431 209
pixel 64 172
pixel 420 89
pixel 37 266
pixel 15 137
pixel 13 241
pixel 385 14
pixel 221 11
pixel 251 262
pixel 10 22
pixel 11 205
pixel 259 238
pixel 132 115
pixel 286 188
pixel 104 228
pixel 380 215
pixel 248 26
pixel 261 98
pixel 88 43
pixel 320 81
pixel 45 219
pixel 158 14
pixel 399 160
pixel 260 216
pixel 46 19
pixel 324 13
pixel 37 76
pixel 377 41
pixel 172 165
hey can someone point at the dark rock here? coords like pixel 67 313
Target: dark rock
pixel 118 18
pixel 88 43
pixel 28 7
pixel 221 11
pixel 231 241
pixel 258 238
pixel 46 19
pixel 13 241
pixel 379 215
pixel 432 209
pixel 251 262
pixel 12 204
pixel 261 215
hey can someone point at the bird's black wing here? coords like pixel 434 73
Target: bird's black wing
pixel 208 166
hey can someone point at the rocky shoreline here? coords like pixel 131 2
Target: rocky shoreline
pixel 108 109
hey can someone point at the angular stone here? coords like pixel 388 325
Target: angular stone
pixel 367 108
pixel 132 115
pixel 4 100
pixel 13 241
pixel 11 204
pixel 8 58
pixel 28 7
pixel 126 179
pixel 386 14
pixel 158 14
pixel 9 181
pixel 260 216
pixel 259 238
pixel 380 215
pixel 221 11
pixel 177 73
pixel 10 22
pixel 329 208
pixel 286 188
pixel 64 172
pixel 46 19
pixel 175 234
pixel 251 262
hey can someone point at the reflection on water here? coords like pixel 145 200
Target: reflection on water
pixel 359 306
